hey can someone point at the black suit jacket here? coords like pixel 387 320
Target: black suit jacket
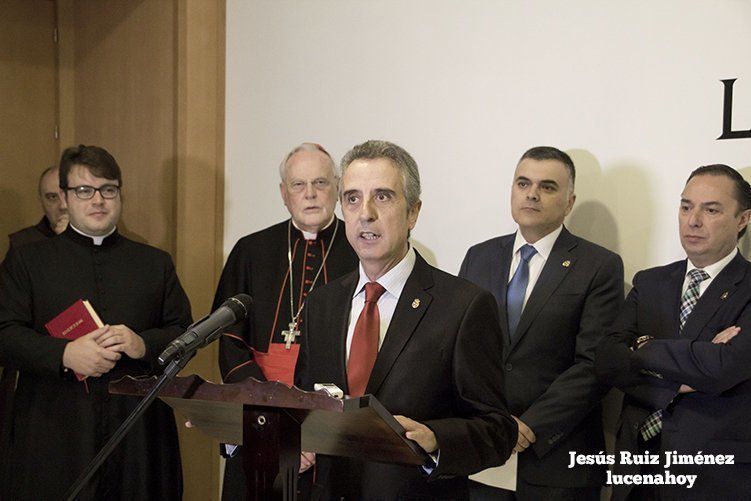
pixel 550 380
pixel 714 419
pixel 439 364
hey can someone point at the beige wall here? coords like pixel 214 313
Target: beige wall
pixel 29 108
pixel 200 200
pixel 145 80
pixel 124 92
pixel 467 87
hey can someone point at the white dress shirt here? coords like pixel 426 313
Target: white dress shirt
pixel 543 247
pixel 712 270
pixel 393 281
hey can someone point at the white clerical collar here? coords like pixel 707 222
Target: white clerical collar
pixel 394 279
pixel 713 269
pixel 97 239
pixel 308 235
pixel 543 246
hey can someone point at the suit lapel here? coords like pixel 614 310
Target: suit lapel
pixel 718 292
pixel 343 296
pixel 671 291
pixel 557 266
pixel 499 277
pixel 406 318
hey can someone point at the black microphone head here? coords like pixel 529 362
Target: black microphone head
pixel 240 305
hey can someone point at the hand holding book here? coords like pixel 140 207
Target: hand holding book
pixel 122 339
pixel 87 358
pixel 95 347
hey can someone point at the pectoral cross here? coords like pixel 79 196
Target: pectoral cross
pixel 290 335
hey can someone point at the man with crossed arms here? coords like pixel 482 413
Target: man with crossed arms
pixel 681 349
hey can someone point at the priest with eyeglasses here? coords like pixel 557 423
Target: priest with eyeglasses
pixel 63 413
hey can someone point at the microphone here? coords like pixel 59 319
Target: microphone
pixel 208 329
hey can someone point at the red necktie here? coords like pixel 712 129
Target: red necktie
pixel 364 348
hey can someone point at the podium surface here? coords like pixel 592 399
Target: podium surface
pixel 275 422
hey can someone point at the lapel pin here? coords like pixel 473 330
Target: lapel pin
pixel 566 263
pixel 415 303
pixel 724 295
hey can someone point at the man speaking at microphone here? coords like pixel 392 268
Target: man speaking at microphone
pixel 59 422
pixel 426 344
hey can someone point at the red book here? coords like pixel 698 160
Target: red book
pixel 77 320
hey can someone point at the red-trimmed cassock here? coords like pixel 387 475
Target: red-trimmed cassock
pixel 258 265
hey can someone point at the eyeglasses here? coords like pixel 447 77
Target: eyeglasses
pixel 319 184
pixel 85 192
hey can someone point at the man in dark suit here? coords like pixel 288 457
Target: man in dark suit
pixel 556 294
pixel 425 343
pixel 681 351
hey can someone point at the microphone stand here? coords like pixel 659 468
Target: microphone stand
pixel 175 366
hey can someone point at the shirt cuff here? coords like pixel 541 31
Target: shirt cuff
pixel 435 456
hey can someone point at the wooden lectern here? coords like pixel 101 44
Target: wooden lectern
pixel 274 423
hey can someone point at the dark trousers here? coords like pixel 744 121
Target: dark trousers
pixel 647 492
